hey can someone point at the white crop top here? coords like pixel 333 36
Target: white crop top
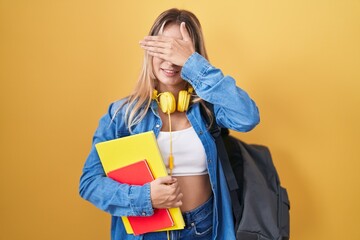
pixel 188 151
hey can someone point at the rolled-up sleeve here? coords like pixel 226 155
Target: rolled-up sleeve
pixel 233 107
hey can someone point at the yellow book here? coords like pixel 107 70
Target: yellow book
pixel 122 152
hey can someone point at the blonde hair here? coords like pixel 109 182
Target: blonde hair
pixel 140 99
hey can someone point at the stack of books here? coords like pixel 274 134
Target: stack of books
pixel 136 160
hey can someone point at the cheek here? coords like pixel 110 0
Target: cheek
pixel 155 67
pixel 156 63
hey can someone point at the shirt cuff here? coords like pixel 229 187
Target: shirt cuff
pixel 194 68
pixel 140 200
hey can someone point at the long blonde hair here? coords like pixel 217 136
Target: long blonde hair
pixel 140 99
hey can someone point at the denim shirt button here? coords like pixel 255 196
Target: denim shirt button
pixel 157 125
pixel 143 213
pixel 201 132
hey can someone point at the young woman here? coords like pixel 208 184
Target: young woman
pixel 175 60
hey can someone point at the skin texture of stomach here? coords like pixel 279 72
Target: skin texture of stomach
pixel 196 190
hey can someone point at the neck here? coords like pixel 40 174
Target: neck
pixel 173 89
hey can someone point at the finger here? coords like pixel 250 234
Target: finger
pixel 184 32
pixel 154 49
pixel 165 180
pixel 178 204
pixel 155 44
pixel 175 189
pixel 158 55
pixel 179 197
pixel 157 38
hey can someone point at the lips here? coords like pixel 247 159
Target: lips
pixel 169 72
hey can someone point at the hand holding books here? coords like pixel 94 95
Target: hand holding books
pixel 165 193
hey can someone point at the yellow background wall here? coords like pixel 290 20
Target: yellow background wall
pixel 63 62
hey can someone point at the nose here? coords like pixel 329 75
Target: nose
pixel 169 63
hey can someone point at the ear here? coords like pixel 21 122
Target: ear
pixel 184 32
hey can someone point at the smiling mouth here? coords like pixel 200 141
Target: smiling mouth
pixel 169 72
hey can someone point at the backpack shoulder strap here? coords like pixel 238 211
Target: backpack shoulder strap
pixel 216 132
pixel 232 184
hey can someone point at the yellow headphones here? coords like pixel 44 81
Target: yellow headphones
pixel 166 100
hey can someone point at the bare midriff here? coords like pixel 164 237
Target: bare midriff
pixel 196 190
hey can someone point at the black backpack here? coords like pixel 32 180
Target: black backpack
pixel 260 204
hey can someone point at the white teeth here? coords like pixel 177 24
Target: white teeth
pixel 169 71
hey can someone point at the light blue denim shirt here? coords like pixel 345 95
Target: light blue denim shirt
pixel 233 109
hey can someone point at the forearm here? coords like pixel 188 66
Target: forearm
pixel 233 107
pixel 113 197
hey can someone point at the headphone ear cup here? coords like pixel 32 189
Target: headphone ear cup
pixel 183 101
pixel 154 94
pixel 167 102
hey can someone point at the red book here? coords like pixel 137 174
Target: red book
pixel 139 173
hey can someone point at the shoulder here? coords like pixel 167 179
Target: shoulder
pixel 118 107
pixel 112 122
